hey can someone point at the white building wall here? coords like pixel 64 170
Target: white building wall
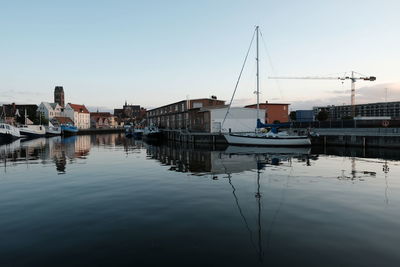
pixel 238 119
pixel 81 120
pixel 69 112
pixel 44 110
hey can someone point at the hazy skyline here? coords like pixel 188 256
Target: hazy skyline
pixel 154 53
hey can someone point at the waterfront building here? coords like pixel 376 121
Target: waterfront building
pixel 304 115
pixel 130 113
pixel 79 114
pixel 176 115
pixel 50 110
pixel 274 112
pixel 102 120
pixel 59 96
pixel 211 119
pixel 379 109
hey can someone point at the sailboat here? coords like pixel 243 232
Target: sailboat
pixel 259 138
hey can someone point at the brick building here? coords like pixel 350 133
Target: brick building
pixel 103 120
pixel 176 115
pixel 130 113
pixel 274 111
pixel 59 96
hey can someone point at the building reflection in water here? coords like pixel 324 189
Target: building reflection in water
pixel 225 163
pixel 232 159
pixel 55 150
pixel 61 151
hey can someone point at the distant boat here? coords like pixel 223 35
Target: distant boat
pixel 260 138
pixel 69 129
pixel 133 131
pixel 152 133
pixel 52 130
pixel 8 133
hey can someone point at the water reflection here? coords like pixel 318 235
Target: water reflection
pixel 255 205
pixel 62 150
pixel 233 159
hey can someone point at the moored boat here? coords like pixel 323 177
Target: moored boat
pixel 32 131
pixel 259 137
pixel 8 133
pixel 69 129
pixel 52 130
pixel 152 133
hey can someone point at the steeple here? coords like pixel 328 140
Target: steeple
pixel 59 95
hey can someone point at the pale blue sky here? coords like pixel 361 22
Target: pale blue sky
pixel 155 52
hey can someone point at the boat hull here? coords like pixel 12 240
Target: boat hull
pixel 7 138
pixel 32 131
pixel 53 131
pixel 69 130
pixel 247 140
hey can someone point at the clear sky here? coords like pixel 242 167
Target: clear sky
pixel 155 52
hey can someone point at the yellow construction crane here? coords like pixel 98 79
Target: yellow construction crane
pixel 353 84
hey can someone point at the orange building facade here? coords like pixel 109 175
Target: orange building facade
pixel 274 112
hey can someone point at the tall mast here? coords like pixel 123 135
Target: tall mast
pixel 258 79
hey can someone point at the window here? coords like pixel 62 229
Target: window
pixel 197 105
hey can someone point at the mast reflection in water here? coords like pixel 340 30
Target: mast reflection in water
pixel 123 202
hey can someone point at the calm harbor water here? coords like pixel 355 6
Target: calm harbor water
pixel 106 200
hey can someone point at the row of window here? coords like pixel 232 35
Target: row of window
pixel 180 107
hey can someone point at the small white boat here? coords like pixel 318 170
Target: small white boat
pixel 8 133
pixel 152 133
pixel 53 130
pixel 32 131
pixel 267 139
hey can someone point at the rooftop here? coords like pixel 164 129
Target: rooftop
pixel 79 108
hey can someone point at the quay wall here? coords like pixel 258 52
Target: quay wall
pixel 351 137
pixel 358 137
pixel 194 137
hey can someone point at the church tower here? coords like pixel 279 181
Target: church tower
pixel 59 95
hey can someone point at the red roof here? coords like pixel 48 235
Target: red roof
pixel 79 108
pixel 100 114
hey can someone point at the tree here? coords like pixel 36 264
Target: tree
pixel 322 115
pixel 292 115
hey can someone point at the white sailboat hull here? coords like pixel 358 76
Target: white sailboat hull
pixel 253 140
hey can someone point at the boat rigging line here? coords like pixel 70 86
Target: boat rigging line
pixel 240 75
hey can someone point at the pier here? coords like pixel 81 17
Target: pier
pixel 183 136
pixel 358 137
